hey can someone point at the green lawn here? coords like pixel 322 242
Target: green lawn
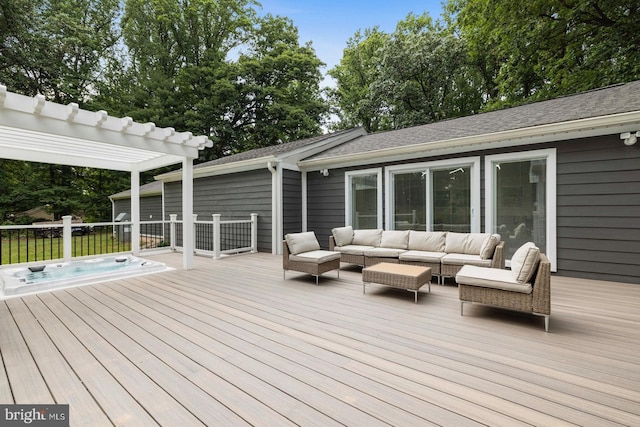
pixel 15 250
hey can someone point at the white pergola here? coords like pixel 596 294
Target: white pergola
pixel 36 130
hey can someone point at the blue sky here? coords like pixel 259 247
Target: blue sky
pixel 330 23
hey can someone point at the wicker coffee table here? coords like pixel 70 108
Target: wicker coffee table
pixel 403 276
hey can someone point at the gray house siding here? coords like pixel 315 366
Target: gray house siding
pixel 234 196
pixel 598 183
pixel 150 208
pixel 598 206
pixel 291 201
pixel 325 204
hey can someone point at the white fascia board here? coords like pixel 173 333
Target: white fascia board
pixel 596 126
pixel 223 169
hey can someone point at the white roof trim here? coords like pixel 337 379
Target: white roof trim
pixel 582 128
pixel 33 129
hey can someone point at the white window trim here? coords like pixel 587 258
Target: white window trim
pixel 551 206
pixel 472 162
pixel 347 193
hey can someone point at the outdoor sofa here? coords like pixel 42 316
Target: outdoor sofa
pixel 526 287
pixel 444 252
pixel 301 252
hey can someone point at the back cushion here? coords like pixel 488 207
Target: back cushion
pixel 343 236
pixel 302 242
pixel 524 262
pixel 489 246
pixel 465 243
pixel 395 239
pixel 430 241
pixel 367 237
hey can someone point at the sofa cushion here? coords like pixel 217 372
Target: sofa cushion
pixel 302 242
pixel 317 257
pixel 491 278
pixel 524 262
pixel 395 239
pixel 464 243
pixel 342 236
pixel 383 252
pixel 430 241
pixel 352 249
pixel 489 246
pixel 465 259
pixel 367 237
pixel 421 256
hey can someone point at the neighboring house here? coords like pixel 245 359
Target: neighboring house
pixel 151 207
pixel 564 173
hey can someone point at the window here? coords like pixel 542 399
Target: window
pixel 364 199
pixel 435 196
pixel 521 197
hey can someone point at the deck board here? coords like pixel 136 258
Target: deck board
pixel 233 343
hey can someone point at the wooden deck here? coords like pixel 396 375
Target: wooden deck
pixel 230 343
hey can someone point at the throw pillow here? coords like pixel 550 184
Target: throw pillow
pixel 524 262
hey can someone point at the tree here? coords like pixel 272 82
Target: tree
pixel 56 47
pixel 416 75
pixel 546 48
pixel 354 76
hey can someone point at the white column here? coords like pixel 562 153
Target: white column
pixel 187 213
pixel 172 230
pixel 216 236
pixel 135 210
pixel 67 238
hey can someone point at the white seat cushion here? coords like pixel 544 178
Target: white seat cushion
pixel 465 259
pixel 491 278
pixel 342 236
pixel 383 252
pixel 352 249
pixel 422 256
pixel 317 257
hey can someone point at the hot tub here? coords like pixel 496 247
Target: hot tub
pixel 56 275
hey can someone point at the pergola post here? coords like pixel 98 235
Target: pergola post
pixel 188 244
pixel 135 211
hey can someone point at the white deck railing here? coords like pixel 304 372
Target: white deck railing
pixel 67 240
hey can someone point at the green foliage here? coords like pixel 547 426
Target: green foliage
pixel 547 48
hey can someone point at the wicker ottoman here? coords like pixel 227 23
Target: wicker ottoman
pixel 403 276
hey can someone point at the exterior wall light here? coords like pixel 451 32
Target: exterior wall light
pixel 630 138
pixel 324 172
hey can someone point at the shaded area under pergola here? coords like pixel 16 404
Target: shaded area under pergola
pixel 35 130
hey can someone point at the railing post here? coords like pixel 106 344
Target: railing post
pixel 254 232
pixel 216 236
pixel 195 228
pixel 67 238
pixel 172 231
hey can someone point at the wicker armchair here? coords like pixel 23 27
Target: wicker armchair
pixel 306 258
pixel 537 301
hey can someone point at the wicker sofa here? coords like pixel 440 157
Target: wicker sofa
pixel 444 252
pixel 526 287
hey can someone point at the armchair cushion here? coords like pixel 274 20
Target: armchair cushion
pixel 302 242
pixel 524 262
pixel 421 256
pixel 395 239
pixel 383 252
pixel 343 236
pixel 489 246
pixel 352 249
pixel 465 259
pixel 430 241
pixel 317 257
pixel 367 237
pixel 491 278
pixel 465 243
